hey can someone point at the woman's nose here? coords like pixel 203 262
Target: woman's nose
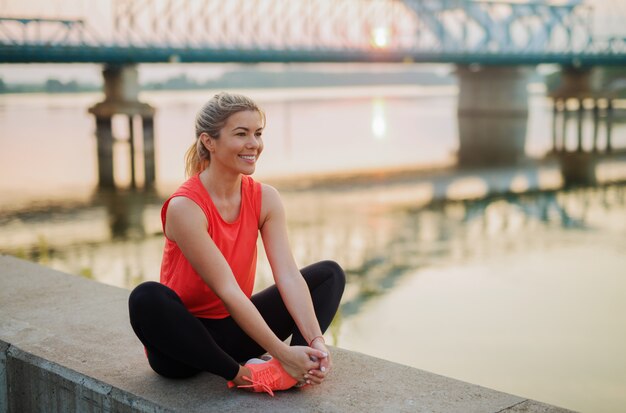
pixel 253 142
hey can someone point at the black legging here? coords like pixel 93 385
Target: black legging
pixel 180 345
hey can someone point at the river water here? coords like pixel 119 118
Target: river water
pixel 523 292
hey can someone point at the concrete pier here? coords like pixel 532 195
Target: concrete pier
pixel 121 89
pixel 148 151
pixel 579 96
pixel 492 114
pixel 66 346
pixel 104 138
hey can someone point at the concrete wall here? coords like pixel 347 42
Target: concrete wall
pixel 66 346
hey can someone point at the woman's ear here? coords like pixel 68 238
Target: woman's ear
pixel 207 141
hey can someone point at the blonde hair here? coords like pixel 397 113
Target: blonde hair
pixel 210 120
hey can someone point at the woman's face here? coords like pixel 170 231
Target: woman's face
pixel 240 143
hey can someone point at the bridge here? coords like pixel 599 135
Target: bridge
pixel 493 44
pixel 446 31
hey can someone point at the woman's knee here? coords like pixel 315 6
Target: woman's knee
pixel 146 296
pixel 336 272
pixel 335 275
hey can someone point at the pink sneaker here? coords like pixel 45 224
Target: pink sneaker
pixel 267 376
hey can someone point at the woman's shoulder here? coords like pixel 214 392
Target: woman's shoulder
pixel 269 191
pixel 184 202
pixel 271 202
pixel 189 195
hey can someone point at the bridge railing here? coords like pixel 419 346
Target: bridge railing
pixel 46 32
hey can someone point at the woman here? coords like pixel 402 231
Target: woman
pixel 202 316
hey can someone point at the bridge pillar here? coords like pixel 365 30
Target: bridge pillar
pixel 579 96
pixel 575 82
pixel 148 151
pixel 492 115
pixel 121 90
pixel 104 137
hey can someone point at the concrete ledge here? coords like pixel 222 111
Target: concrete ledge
pixel 66 345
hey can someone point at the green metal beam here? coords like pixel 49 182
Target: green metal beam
pixel 129 55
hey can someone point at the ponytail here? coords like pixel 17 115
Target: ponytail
pixel 193 163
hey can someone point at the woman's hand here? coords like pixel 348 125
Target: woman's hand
pixel 299 361
pixel 316 376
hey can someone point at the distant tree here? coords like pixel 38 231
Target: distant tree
pixel 3 86
pixel 53 86
pixel 71 86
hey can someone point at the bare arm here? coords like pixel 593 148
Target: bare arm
pixel 293 289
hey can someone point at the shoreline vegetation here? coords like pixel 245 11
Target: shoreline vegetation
pixel 247 78
pixel 614 80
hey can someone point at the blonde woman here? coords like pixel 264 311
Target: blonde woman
pixel 202 316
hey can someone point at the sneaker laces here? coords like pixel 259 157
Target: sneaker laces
pixel 262 379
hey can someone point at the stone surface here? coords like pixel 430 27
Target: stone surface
pixel 67 345
pixel 530 406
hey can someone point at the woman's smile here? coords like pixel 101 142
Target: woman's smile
pixel 248 158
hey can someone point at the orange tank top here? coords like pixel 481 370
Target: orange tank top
pixel 236 240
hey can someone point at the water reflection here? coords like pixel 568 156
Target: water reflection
pixel 125 210
pixel 113 237
pixel 377 230
pixel 379 242
pixel 379 124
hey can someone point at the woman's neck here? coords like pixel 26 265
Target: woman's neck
pixel 221 185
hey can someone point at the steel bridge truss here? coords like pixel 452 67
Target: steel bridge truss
pixel 315 30
pixel 409 25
